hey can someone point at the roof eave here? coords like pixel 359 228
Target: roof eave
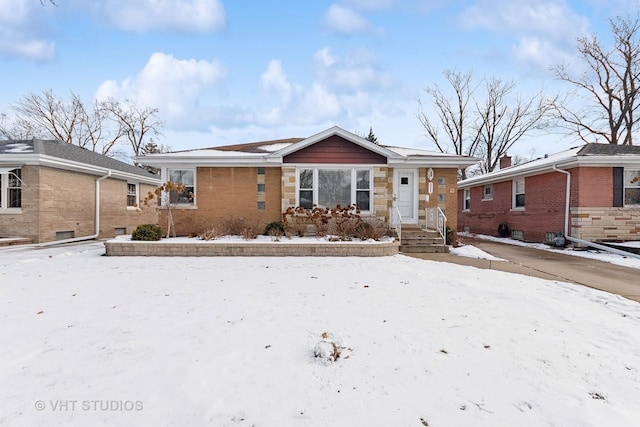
pixel 59 163
pixel 507 174
pixel 451 162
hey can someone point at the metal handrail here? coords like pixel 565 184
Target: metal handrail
pixel 396 221
pixel 437 220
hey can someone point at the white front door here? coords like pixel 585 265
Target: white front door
pixel 405 195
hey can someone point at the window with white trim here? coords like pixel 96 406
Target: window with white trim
pixel 518 193
pixel 11 189
pixel 330 187
pixel 467 199
pixel 185 178
pixel 487 192
pixel 631 187
pixel 132 195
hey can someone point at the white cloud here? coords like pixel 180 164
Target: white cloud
pixel 20 31
pixel 275 78
pixel 545 31
pixel 345 21
pixel 356 71
pixel 172 85
pixel 142 15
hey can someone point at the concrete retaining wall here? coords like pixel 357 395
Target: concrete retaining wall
pixel 163 248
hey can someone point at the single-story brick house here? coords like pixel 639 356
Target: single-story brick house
pixel 49 191
pixel 603 203
pixel 334 167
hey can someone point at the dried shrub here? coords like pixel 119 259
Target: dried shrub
pixel 212 233
pixel 247 228
pixel 373 228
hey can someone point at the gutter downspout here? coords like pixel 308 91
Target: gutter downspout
pixel 585 242
pixel 97 219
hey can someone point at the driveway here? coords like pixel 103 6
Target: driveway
pixel 624 281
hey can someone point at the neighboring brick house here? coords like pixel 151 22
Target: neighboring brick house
pixel 259 181
pixel 531 198
pixel 49 191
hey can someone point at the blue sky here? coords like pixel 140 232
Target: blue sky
pixel 227 72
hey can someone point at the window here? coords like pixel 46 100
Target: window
pixel 11 188
pixel 305 194
pixel 487 192
pixel 185 177
pixel 442 197
pixel 442 180
pixel 518 193
pixel 467 199
pixel 631 187
pixel 328 188
pixel 132 195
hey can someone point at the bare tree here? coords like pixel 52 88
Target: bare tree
pixel 98 128
pixel 138 125
pixel 16 128
pixel 67 120
pixel 610 87
pixel 453 115
pixel 484 127
pixel 504 120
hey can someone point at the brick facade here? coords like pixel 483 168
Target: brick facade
pixel 226 193
pixel 592 216
pixel 57 200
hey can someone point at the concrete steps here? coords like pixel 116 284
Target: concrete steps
pixel 417 240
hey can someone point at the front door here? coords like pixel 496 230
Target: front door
pixel 405 195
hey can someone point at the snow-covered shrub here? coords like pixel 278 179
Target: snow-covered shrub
pixel 148 232
pixel 326 350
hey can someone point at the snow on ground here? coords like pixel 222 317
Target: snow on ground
pixel 626 261
pixel 471 251
pixel 92 340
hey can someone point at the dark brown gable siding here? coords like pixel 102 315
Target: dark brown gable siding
pixel 335 150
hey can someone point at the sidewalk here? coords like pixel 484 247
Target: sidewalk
pixel 624 281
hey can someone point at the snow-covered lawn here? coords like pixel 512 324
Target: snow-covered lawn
pixel 92 340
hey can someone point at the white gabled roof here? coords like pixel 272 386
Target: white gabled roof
pixel 271 153
pixel 335 130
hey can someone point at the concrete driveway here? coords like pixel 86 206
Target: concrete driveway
pixel 624 281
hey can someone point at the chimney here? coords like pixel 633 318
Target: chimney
pixel 505 162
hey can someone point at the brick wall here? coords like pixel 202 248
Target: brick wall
pixel 544 208
pixel 56 200
pixel 224 193
pixel 448 190
pixel 67 203
pixel 24 224
pixel 114 213
pixel 594 187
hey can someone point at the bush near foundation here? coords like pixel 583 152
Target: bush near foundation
pixel 147 232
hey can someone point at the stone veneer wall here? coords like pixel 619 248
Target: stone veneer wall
pixel 605 224
pixel 166 248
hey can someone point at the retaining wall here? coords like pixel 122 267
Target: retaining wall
pixel 163 248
